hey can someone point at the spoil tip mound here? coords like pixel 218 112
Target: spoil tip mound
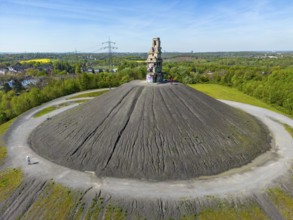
pixel 153 132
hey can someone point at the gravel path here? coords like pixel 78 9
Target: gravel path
pixel 258 175
pixel 152 132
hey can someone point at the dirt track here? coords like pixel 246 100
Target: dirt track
pixel 250 179
pixel 152 132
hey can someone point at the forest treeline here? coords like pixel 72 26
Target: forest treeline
pixel 270 80
pixel 13 104
pixel 269 83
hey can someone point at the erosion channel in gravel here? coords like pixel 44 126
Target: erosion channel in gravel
pixel 152 132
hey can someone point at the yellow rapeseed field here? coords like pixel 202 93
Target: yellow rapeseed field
pixel 42 60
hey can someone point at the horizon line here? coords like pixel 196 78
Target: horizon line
pixel 187 52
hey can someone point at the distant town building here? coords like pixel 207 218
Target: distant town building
pixel 155 62
pixel 11 69
pixel 11 83
pixel 3 71
pixel 27 82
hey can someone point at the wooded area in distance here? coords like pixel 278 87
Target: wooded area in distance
pixel 268 77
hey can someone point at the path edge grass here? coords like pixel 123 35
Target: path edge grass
pixel 289 129
pixel 231 94
pixel 90 94
pixel 3 129
pixel 45 111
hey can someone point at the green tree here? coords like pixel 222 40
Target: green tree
pixel 6 87
pixel 84 81
pixel 77 69
pixel 17 86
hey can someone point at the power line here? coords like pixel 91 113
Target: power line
pixel 109 46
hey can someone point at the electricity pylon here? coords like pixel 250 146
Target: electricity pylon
pixel 109 46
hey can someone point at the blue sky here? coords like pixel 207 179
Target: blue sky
pixel 182 25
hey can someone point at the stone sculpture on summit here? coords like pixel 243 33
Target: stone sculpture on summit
pixel 155 62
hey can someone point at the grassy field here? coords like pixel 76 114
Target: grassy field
pixel 10 179
pixel 108 212
pixel 55 202
pixel 116 213
pixel 91 94
pixel 44 60
pixel 50 109
pixel 230 213
pixel 59 202
pixel 95 209
pixel 283 201
pixel 3 153
pixel 45 111
pixel 231 94
pixel 81 101
pixel 4 127
pixel 289 129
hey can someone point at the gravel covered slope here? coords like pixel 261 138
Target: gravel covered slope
pixel 154 132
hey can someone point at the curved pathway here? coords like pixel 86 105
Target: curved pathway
pixel 258 175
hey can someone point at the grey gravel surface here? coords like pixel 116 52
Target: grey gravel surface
pixel 254 177
pixel 152 132
pixel 152 199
